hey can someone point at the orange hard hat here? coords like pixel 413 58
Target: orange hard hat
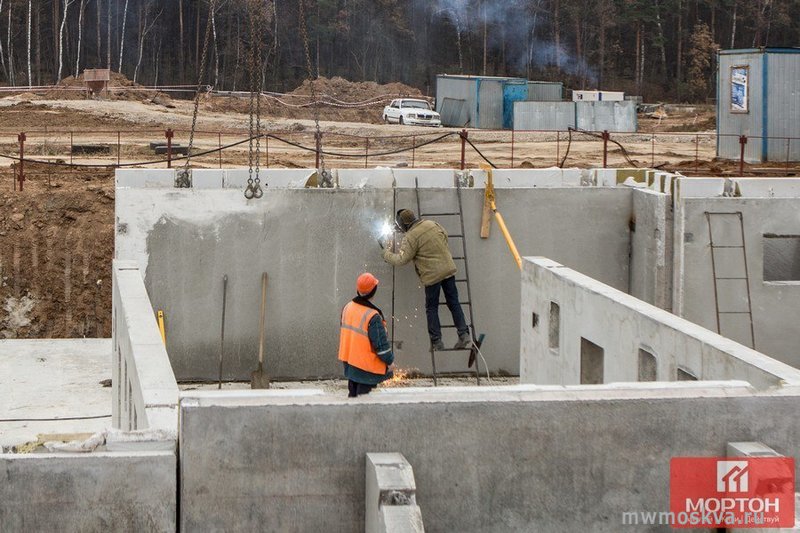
pixel 366 283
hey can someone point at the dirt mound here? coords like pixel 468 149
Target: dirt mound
pixel 340 100
pixel 56 246
pixel 72 88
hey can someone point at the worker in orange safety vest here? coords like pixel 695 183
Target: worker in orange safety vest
pixel 364 347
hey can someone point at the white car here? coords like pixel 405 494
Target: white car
pixel 411 112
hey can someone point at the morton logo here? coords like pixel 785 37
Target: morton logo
pixel 732 476
pixel 740 492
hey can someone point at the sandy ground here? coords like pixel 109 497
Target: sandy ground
pixel 48 124
pixel 336 386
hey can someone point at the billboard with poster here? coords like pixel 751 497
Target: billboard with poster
pixel 739 89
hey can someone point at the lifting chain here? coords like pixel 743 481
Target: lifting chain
pixel 255 59
pixel 183 178
pixel 325 179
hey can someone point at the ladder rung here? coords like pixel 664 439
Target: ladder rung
pixel 461 281
pixel 456 236
pixel 730 278
pixel 462 303
pixel 455 350
pixel 734 312
pixel 457 258
pixel 440 215
pixel 737 246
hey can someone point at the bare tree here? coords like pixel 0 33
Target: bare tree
pixel 2 58
pixel 108 34
pixel 122 37
pixel 67 3
pixel 30 12
pixel 98 38
pixel 143 35
pixel 10 48
pixel 80 36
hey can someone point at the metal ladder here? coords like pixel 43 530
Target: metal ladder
pixel 476 341
pixel 729 250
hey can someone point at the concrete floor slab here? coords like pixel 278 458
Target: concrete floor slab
pixel 48 379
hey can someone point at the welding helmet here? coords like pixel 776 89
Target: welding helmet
pixel 404 219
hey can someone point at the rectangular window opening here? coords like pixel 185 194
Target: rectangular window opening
pixel 648 368
pixel 555 325
pixel 591 363
pixel 781 257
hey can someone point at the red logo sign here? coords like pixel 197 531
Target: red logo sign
pixel 741 492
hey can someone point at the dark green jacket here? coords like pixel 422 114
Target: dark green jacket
pixel 425 244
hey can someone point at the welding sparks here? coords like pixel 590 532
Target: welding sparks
pixel 386 229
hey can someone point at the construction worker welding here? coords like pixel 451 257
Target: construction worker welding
pixel 425 243
pixel 364 346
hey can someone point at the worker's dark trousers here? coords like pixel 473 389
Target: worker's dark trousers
pixel 432 307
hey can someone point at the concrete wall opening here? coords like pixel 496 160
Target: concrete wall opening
pixel 555 325
pixel 648 367
pixel 684 374
pixel 591 363
pixel 781 257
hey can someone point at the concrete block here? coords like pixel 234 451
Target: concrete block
pixel 768 187
pixel 750 449
pixel 400 519
pixel 149 178
pixel 375 178
pixel 389 482
pixel 294 178
pixel 427 178
pixel 528 178
pixel 207 178
pixel 88 492
pixel 700 187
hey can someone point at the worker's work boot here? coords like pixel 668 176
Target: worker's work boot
pixel 437 346
pixel 464 341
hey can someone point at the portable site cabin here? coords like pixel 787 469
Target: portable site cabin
pixel 545 91
pixel 758 95
pixel 478 101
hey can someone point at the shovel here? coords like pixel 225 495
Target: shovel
pixel 259 379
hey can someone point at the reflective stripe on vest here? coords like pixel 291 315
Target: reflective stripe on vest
pixel 354 345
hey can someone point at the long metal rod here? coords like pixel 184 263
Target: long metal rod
pixel 222 332
pixel 747 277
pixel 713 267
pixel 394 210
pixel 433 353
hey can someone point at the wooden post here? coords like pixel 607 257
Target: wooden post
pixel 21 138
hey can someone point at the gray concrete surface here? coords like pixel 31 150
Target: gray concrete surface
pixel 621 325
pixel 651 248
pixel 314 243
pixel 145 392
pixel 775 305
pixel 130 492
pixel 41 380
pixel 485 460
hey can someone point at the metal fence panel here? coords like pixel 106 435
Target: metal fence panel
pixel 544 116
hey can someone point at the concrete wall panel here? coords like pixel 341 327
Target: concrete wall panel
pixel 651 248
pixel 621 325
pixel 314 243
pixel 486 460
pixel 92 492
pixel 774 304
